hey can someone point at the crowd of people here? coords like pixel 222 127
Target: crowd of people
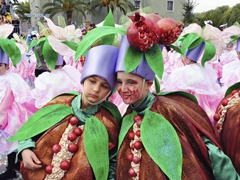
pixel 119 104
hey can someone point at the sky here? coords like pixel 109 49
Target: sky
pixel 206 5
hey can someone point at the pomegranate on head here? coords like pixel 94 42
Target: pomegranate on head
pixel 169 30
pixel 142 33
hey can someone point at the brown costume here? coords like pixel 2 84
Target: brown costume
pixel 80 168
pixel 189 121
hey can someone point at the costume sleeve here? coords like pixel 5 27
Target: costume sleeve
pixel 221 164
pixel 26 144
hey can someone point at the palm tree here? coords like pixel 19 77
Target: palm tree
pixel 123 5
pixel 21 9
pixel 67 7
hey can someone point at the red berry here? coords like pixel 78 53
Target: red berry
pixel 132 172
pixel 131 135
pixel 138 145
pixel 137 118
pixel 130 157
pixel 224 102
pixel 73 120
pixel 138 133
pixel 48 169
pixel 136 159
pixel 65 165
pixel 77 131
pixel 72 147
pixel 56 148
pixel 218 126
pixel 216 117
pixel 72 136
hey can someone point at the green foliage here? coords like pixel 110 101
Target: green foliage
pixel 124 5
pixel 67 7
pixel 188 7
pixel 21 9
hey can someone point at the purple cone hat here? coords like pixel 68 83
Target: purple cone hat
pixel 143 70
pixel 238 45
pixel 101 61
pixel 195 53
pixel 3 57
pixel 60 60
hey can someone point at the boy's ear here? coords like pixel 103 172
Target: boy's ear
pixel 149 84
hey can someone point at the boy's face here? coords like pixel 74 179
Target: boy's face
pixel 238 53
pixel 3 68
pixel 95 89
pixel 131 88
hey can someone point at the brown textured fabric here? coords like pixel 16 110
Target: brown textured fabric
pixel 188 119
pixel 80 168
pixel 230 134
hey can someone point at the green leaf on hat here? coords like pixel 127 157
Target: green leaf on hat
pixel 132 59
pixel 175 48
pixel 155 60
pixel 94 35
pixel 187 41
pixel 71 44
pixel 11 49
pixel 232 88
pixel 41 121
pixel 108 21
pixel 209 52
pixel 195 43
pixel 96 138
pixel 50 56
pixel 162 143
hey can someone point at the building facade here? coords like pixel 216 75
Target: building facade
pixel 165 8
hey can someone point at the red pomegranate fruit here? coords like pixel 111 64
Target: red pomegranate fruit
pixel 154 16
pixel 142 33
pixel 169 30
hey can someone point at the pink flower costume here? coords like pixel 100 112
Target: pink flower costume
pixel 50 84
pixel 16 106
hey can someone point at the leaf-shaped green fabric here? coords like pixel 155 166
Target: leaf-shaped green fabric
pixel 188 40
pixel 209 52
pixel 182 93
pixel 161 141
pixel 94 35
pixel 132 59
pixel 41 121
pixel 127 123
pixel 96 146
pixel 71 44
pixel 175 48
pixel 11 49
pixel 231 88
pixel 155 60
pixel 157 85
pixel 196 43
pixel 108 21
pixel 50 56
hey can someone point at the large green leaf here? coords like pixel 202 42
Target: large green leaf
pixel 50 56
pixel 209 52
pixel 11 49
pixel 175 48
pixel 155 60
pixel 96 146
pixel 231 88
pixel 157 85
pixel 132 59
pixel 188 40
pixel 182 93
pixel 161 141
pixel 127 122
pixel 108 21
pixel 41 121
pixel 71 44
pixel 94 35
pixel 113 109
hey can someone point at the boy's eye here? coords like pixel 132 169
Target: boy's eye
pixel 119 82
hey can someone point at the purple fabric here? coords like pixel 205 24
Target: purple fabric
pixel 195 53
pixel 143 70
pixel 101 61
pixel 3 57
pixel 238 45
pixel 60 60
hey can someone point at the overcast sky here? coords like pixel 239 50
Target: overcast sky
pixel 205 5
